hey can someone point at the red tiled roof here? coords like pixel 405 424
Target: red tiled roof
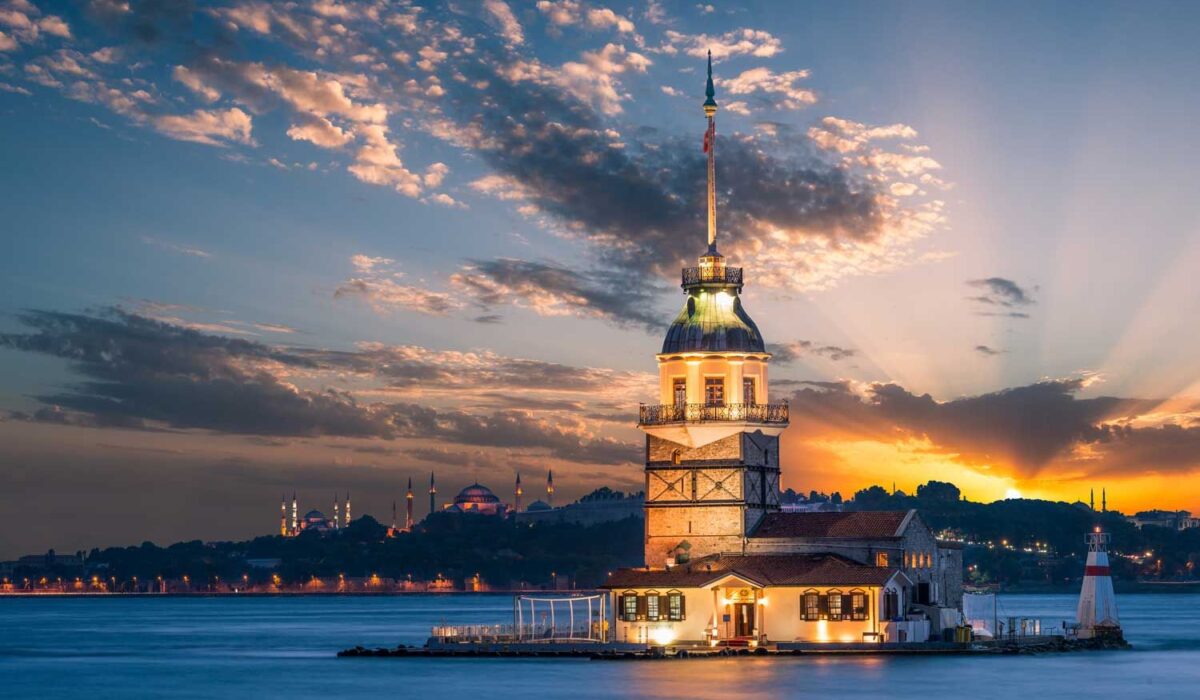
pixel 855 524
pixel 764 569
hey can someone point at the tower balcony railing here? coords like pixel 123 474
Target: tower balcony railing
pixel 712 275
pixel 663 414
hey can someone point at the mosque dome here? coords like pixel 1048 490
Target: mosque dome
pixel 314 515
pixel 476 493
pixel 539 505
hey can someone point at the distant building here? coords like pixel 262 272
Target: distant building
pixel 478 498
pixel 601 506
pixel 1169 519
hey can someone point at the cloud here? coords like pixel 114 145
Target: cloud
pixel 1021 431
pixel 142 373
pixel 503 15
pixel 553 290
pixel 320 132
pixel 212 127
pixel 999 291
pixel 780 90
pixel 176 248
pixel 377 283
pixel 988 351
pixel 738 42
pixel 786 353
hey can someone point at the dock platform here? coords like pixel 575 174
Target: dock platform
pixel 624 651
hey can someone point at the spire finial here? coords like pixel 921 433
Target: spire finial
pixel 710 147
pixel 710 104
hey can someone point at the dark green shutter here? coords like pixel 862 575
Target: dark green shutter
pixel 641 607
pixel 682 607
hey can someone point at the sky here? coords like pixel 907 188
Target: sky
pixel 256 248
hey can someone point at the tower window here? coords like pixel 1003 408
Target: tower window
pixel 748 391
pixel 714 391
pixel 679 390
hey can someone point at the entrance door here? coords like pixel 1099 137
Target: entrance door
pixel 743 619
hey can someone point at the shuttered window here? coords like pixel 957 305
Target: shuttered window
pixel 652 605
pixel 834 606
pixel 810 606
pixel 858 605
pixel 629 606
pixel 675 606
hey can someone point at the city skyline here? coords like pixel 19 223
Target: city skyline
pixel 327 246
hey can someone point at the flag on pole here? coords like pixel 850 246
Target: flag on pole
pixel 710 134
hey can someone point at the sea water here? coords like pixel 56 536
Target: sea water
pixel 284 647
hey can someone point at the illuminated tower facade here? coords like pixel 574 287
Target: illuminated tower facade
pixel 712 440
pixel 517 492
pixel 346 515
pixel 336 512
pixel 550 487
pixel 283 519
pixel 432 495
pixel 408 518
pixel 295 516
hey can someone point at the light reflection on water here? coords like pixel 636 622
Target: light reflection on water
pixel 284 647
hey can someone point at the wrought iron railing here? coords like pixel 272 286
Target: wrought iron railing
pixel 659 414
pixel 712 275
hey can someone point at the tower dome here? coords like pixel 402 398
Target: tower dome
pixel 712 319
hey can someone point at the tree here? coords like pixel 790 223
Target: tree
pixel 938 491
pixel 871 497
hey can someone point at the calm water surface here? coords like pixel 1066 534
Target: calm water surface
pixel 284 647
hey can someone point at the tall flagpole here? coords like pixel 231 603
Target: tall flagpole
pixel 710 147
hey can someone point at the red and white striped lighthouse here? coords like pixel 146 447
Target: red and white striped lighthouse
pixel 1097 613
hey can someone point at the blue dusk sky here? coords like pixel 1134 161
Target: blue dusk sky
pixel 252 248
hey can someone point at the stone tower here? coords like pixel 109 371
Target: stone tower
pixel 712 441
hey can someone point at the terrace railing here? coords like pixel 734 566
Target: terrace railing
pixel 662 414
pixel 712 275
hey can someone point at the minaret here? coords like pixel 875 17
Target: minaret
pixel 712 439
pixel 392 529
pixel 432 495
pixel 283 528
pixel 1092 499
pixel 408 519
pixel 337 520
pixel 550 487
pixel 347 512
pixel 1104 500
pixel 295 516
pixel 517 494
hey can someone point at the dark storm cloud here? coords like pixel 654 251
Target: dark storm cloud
pixel 145 373
pixel 998 291
pixel 646 199
pixel 786 353
pixel 1025 427
pixel 987 351
pixel 639 197
pixel 622 296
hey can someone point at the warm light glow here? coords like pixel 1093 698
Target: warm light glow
pixel 1012 493
pixel 762 601
pixel 663 636
pixel 724 300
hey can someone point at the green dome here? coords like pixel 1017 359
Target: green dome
pixel 713 320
